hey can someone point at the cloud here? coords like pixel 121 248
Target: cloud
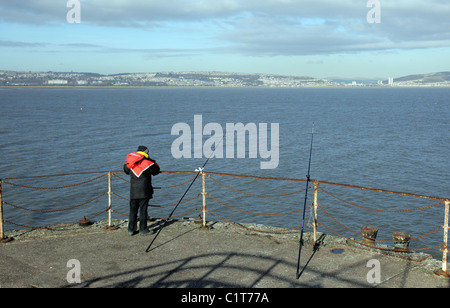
pixel 328 27
pixel 120 13
pixel 81 45
pixel 15 44
pixel 33 12
pixel 147 53
pixel 260 27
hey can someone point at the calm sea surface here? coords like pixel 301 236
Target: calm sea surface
pixel 388 138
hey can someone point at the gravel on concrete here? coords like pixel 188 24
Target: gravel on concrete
pixel 184 255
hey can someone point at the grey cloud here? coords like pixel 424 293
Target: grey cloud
pixel 15 44
pixel 127 13
pixel 80 45
pixel 265 37
pixel 404 25
pixel 141 12
pixel 263 27
pixel 147 53
pixel 33 12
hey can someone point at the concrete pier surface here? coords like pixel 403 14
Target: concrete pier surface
pixel 186 256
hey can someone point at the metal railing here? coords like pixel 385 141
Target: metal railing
pixel 205 210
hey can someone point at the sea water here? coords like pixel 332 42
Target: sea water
pixel 395 139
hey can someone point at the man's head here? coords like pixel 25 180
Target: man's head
pixel 142 148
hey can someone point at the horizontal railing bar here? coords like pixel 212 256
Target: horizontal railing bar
pixel 256 177
pixel 54 175
pixel 383 191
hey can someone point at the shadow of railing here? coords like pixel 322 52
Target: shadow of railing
pixel 217 271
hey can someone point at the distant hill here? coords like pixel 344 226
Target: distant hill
pixel 426 78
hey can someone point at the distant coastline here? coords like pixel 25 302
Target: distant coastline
pixel 207 79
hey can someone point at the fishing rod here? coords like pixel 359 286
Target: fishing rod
pixel 199 171
pixel 304 205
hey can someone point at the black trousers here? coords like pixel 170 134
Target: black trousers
pixel 141 206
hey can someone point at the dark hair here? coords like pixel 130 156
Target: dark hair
pixel 142 148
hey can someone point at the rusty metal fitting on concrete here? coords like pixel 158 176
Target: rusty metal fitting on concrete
pixel 401 241
pixel 442 273
pixel 110 228
pixel 6 240
pixel 84 222
pixel 369 235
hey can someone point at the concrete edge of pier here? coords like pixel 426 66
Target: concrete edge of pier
pixel 185 255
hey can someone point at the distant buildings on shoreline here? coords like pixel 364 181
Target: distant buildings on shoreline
pixel 200 79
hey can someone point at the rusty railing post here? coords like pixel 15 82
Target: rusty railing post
pixel 316 188
pixel 204 198
pixel 443 270
pixel 2 231
pixel 110 227
pixel 109 198
pixel 3 238
pixel 445 248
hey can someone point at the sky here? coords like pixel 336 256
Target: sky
pixel 318 38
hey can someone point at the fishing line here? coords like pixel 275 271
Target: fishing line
pixel 304 205
pixel 200 171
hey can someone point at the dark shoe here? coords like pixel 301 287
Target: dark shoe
pixel 131 233
pixel 146 232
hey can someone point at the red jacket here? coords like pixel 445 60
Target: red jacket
pixel 136 163
pixel 140 168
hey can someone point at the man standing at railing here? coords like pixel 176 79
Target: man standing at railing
pixel 140 167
